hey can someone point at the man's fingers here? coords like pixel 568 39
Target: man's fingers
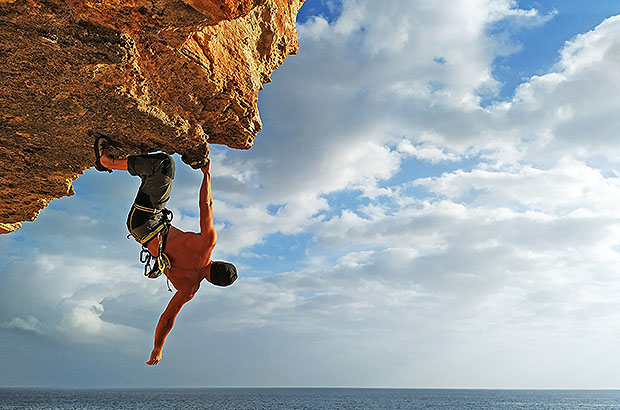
pixel 152 362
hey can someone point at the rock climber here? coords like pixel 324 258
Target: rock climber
pixel 184 257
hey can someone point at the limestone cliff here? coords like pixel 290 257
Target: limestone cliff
pixel 169 75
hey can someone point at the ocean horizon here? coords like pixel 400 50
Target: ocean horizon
pixel 319 398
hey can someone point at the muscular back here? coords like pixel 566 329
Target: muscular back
pixel 189 253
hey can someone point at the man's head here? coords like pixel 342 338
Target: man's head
pixel 223 273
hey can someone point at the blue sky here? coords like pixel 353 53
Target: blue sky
pixel 434 192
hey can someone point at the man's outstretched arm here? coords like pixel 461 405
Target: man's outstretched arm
pixel 205 202
pixel 166 321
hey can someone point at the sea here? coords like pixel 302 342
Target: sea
pixel 306 398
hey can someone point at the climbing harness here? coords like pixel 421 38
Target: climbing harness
pixel 155 266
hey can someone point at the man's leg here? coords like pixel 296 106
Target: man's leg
pixel 148 215
pixel 157 173
pixel 155 170
pixel 109 162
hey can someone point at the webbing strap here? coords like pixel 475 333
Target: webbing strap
pixel 146 209
pixel 146 238
pixel 168 215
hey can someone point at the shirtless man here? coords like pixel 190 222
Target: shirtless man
pixel 186 260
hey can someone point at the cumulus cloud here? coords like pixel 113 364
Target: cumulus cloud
pixel 571 110
pixel 58 284
pixel 27 324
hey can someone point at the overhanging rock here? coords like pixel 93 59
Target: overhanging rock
pixel 169 75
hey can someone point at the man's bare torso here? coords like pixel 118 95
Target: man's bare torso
pixel 190 256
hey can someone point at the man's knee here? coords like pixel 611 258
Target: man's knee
pixel 222 273
pixel 167 165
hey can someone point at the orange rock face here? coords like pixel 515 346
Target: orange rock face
pixel 169 75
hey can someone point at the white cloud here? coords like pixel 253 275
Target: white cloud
pixel 27 324
pixel 58 284
pixel 571 186
pixel 426 153
pixel 315 28
pixel 572 110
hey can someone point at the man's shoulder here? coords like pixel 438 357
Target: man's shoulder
pixel 186 282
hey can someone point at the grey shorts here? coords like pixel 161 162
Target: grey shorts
pixel 147 217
